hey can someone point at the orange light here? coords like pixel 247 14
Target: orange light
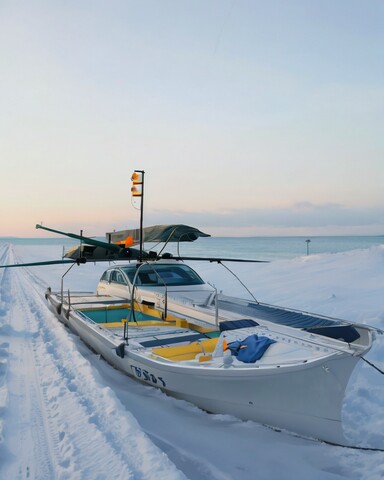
pixel 128 242
pixel 137 178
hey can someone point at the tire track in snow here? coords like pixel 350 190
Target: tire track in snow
pixel 25 425
pixel 69 421
pixel 5 252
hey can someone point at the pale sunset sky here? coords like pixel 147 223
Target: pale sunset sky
pixel 249 117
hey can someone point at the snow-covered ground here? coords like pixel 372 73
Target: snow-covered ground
pixel 66 414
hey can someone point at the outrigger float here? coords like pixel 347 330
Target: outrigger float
pixel 158 321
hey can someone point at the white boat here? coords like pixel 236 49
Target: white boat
pixel 188 340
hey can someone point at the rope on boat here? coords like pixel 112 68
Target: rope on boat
pixel 325 442
pixel 230 271
pixel 372 365
pixel 353 447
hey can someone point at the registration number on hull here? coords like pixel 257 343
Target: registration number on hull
pixel 146 376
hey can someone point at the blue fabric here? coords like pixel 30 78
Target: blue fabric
pixel 251 348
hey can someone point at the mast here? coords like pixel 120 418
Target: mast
pixel 137 190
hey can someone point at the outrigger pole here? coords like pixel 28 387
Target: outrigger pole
pixel 137 190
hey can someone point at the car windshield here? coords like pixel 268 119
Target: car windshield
pixel 160 275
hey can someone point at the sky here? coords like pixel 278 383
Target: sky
pixel 248 117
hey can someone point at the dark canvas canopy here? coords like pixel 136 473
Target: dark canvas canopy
pixel 159 233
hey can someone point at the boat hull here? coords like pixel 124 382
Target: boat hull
pixel 303 398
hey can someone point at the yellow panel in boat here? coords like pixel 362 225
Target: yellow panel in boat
pixel 144 323
pixel 111 324
pixel 182 323
pixel 205 358
pixel 186 352
pixel 153 312
pixel 108 307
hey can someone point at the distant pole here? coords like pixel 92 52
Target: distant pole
pixel 308 241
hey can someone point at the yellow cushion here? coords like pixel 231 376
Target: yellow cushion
pixel 186 352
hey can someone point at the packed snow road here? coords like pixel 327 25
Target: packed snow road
pixel 60 422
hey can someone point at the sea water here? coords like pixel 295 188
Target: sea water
pixel 273 248
pixel 255 248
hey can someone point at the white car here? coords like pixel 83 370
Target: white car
pixel 153 282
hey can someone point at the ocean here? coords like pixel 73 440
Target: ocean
pixel 255 248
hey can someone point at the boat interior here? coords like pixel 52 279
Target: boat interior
pixel 198 343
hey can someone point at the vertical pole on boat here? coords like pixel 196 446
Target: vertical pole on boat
pixel 141 216
pixel 138 191
pixel 69 304
pixel 81 242
pixel 216 307
pixel 62 285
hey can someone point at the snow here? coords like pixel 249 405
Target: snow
pixel 66 414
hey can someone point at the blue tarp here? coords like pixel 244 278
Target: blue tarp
pixel 251 348
pixel 235 324
pixel 279 315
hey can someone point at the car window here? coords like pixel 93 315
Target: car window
pixel 166 274
pixel 117 277
pixel 105 276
